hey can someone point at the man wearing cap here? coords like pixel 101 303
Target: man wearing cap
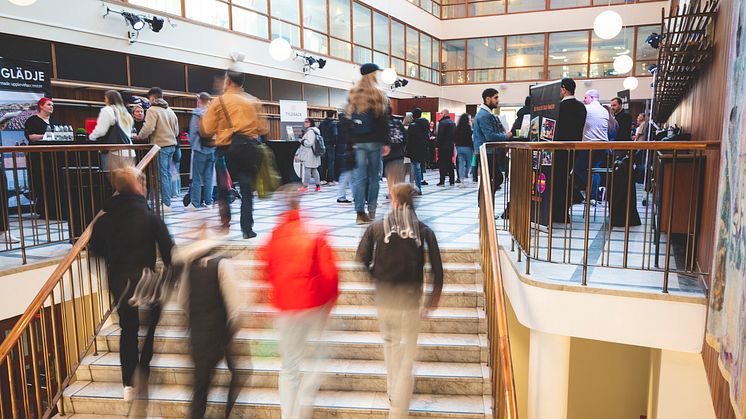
pixel 203 156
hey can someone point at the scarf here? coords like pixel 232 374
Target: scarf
pixel 403 222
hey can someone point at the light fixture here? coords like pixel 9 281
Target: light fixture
pixel 631 83
pixel 310 62
pixel 607 24
pixel 652 68
pixel 654 40
pixel 280 49
pixel 623 64
pixel 389 76
pixel 238 56
pixel 155 23
pixel 134 20
pixel 399 83
pixel 22 2
pixel 137 22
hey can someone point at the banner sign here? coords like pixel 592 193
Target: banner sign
pixel 293 111
pixel 624 95
pixel 545 100
pixel 25 76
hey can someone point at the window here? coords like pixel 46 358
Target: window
pixel 168 6
pixel 645 54
pixel 485 58
pixel 480 8
pixel 287 31
pixel 561 71
pixel 315 42
pixel 361 26
pixel 314 15
pixel 454 61
pixel 526 5
pixel 525 50
pixel 256 5
pixel 568 47
pixel 604 51
pixel 397 39
pixel 381 59
pixel 530 73
pixel 398 65
pixel 208 11
pixel 340 49
pixel 413 44
pixel 249 22
pixel 426 50
pixel 339 19
pixel 286 10
pixel 436 54
pixel 562 4
pixel 413 70
pixel 362 55
pixel 453 9
pixel 381 32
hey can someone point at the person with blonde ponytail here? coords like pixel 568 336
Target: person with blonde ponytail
pixel 367 109
pixel 111 115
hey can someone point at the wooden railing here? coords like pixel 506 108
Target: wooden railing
pixel 43 350
pixel 504 404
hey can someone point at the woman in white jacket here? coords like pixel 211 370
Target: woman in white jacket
pixel 310 161
pixel 114 112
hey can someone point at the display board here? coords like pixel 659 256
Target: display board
pixel 625 96
pixel 545 100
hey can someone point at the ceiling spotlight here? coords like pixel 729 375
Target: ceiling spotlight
pixel 654 40
pixel 400 83
pixel 137 22
pixel 23 2
pixel 134 20
pixel 156 23
pixel 310 62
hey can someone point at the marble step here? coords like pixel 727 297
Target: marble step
pixel 346 317
pixel 347 254
pixel 173 401
pixel 453 273
pixel 338 375
pixel 443 347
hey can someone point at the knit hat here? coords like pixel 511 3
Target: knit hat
pixel 369 68
pixel 568 84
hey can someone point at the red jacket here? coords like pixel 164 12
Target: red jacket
pixel 299 263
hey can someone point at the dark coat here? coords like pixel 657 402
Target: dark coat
pixel 446 138
pixel 380 132
pixel 397 148
pixel 328 129
pixel 345 155
pixel 571 121
pixel 519 118
pixel 418 135
pixel 464 136
pixel 624 119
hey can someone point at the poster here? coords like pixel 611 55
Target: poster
pixel 292 115
pixel 22 84
pixel 547 129
pixel 624 95
pixel 726 322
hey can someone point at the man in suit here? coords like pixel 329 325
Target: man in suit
pixel 570 125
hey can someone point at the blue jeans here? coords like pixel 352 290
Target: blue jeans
pixel 165 157
pixel 368 166
pixel 345 180
pixel 464 162
pixel 417 174
pixel 203 165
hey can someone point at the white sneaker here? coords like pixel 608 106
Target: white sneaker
pixel 128 393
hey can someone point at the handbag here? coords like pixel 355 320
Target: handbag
pixel 152 289
pixel 115 135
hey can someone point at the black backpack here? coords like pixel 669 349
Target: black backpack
pixel 396 132
pixel 319 148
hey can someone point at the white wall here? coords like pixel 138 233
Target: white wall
pixel 682 391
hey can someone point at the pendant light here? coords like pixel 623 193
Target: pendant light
pixel 280 49
pixel 631 83
pixel 607 24
pixel 623 64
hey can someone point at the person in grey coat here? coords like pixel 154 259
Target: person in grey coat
pixel 310 161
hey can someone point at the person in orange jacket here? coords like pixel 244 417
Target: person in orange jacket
pixel 300 266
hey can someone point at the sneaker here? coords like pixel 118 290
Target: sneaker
pixel 128 394
pixel 249 235
pixel 458 180
pixel 303 189
pixel 441 184
pixel 372 215
pixel 424 183
pixel 344 201
pixel 362 219
pixel 451 184
pixel 323 182
pixel 332 183
pixel 318 188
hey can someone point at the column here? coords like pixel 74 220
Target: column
pixel 548 375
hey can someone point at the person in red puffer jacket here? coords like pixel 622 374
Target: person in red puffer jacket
pixel 300 266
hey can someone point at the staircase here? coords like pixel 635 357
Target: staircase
pixel 452 378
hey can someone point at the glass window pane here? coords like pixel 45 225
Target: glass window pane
pixel 413 70
pixel 574 71
pixel 603 70
pixel 426 50
pixel 316 42
pixel 398 65
pixel 453 11
pixel 561 4
pixel 381 59
pixel 415 2
pixel 484 52
pixel 287 31
pixel 362 55
pixel 250 22
pixel 424 74
pixel 435 77
pixel 605 50
pixel 530 73
pixel 208 11
pixel 436 9
pixel 427 5
pixel 339 19
pixel 484 76
pixel 568 47
pixel 436 54
pixel 641 67
pixel 454 77
pixel 397 39
pixel 526 5
pixel 286 10
pixel 314 14
pixel 361 25
pixel 525 50
pixel 645 51
pixel 380 32
pixel 168 6
pixel 487 8
pixel 413 44
pixel 257 5
pixel 340 49
pixel 453 55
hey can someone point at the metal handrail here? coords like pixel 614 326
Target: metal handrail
pixel 608 145
pixel 23 336
pixel 500 357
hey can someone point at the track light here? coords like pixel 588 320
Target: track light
pixel 137 22
pixel 156 23
pixel 310 62
pixel 654 40
pixel 652 68
pixel 400 83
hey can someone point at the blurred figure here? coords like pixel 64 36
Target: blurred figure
pixel 308 157
pixel 641 133
pixel 127 236
pixel 329 131
pixel 446 139
pixel 464 147
pixel 394 161
pixel 113 125
pixel 304 286
pixel 525 110
pixel 203 156
pixel 210 293
pixel 417 140
pixel 408 118
pixel 345 159
pixel 397 244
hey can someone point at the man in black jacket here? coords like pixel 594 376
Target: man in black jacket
pixel 525 110
pixel 418 135
pixel 328 129
pixel 127 236
pixel 446 139
pixel 570 124
pixel 623 118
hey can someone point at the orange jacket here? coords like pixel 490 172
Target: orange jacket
pixel 299 264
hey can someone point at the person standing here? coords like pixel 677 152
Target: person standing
pixel 126 236
pixel 34 129
pixel 234 120
pixel 394 162
pixel 329 131
pixel 623 118
pixel 203 156
pixel 138 115
pixel 367 108
pixel 570 125
pixel 162 129
pixel 525 110
pixel 417 143
pixel 446 139
pixel 406 122
pixel 308 157
pixel 345 159
pixel 641 134
pixel 398 244
pixel 464 147
pixel 109 117
pixel 304 287
pixel 487 129
pixel 596 129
